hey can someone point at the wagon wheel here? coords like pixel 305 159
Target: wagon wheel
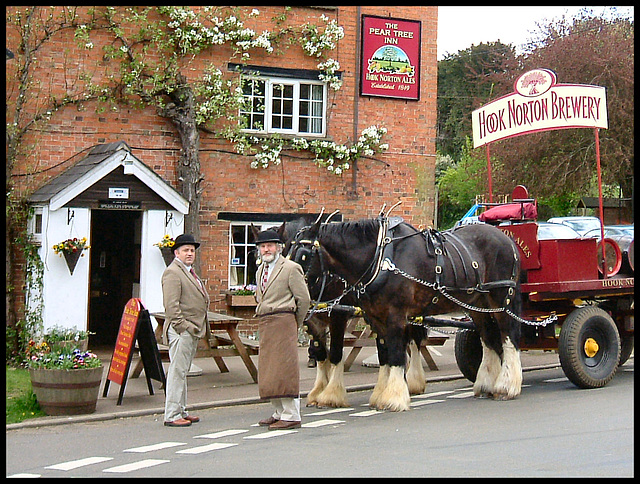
pixel 612 257
pixel 589 347
pixel 626 347
pixel 468 352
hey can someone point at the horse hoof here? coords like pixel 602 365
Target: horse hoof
pixel 502 397
pixel 484 395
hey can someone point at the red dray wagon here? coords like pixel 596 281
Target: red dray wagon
pixel 563 278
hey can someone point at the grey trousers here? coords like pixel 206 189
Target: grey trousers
pixel 182 350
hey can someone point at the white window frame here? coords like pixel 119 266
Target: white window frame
pixel 270 83
pixel 35 225
pixel 247 247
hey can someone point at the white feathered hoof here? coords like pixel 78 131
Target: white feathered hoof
pixel 395 396
pixel 488 372
pixel 322 378
pixel 416 377
pixel 383 377
pixel 335 394
pixel 509 382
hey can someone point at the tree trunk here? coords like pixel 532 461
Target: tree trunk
pixel 181 111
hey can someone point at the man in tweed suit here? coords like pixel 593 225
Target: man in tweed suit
pixel 283 301
pixel 185 306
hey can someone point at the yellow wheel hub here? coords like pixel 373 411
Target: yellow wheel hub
pixel 591 347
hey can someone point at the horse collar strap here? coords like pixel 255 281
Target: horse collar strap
pixel 384 249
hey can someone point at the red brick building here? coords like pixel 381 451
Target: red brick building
pixel 112 176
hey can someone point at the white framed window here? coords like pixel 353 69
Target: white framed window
pixel 242 253
pixel 284 105
pixel 34 226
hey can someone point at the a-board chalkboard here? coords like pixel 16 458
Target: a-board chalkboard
pixel 135 325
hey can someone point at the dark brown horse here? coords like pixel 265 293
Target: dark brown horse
pixel 329 389
pixel 397 273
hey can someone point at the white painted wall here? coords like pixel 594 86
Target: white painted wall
pixel 66 296
pixel 151 264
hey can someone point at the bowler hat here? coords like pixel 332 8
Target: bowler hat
pixel 269 235
pixel 185 239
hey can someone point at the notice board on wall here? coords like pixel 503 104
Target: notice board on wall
pixel 135 327
pixel 390 57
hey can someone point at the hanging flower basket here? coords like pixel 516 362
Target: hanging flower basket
pixel 71 250
pixel 72 259
pixel 166 248
pixel 167 255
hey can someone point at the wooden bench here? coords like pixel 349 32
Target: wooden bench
pixel 223 341
pixel 358 339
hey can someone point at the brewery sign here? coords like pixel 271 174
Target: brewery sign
pixel 539 103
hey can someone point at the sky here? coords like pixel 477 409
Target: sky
pixel 460 27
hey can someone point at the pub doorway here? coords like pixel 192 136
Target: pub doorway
pixel 115 271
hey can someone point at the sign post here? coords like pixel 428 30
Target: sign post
pixel 539 103
pixel 135 325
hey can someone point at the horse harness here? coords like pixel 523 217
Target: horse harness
pixel 440 245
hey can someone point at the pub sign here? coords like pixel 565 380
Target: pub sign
pixel 390 57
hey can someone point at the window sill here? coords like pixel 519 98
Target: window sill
pixel 241 301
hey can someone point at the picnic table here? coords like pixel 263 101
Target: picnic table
pixel 223 341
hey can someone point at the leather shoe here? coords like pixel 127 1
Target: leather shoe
pixel 181 422
pixel 285 425
pixel 268 421
pixel 192 418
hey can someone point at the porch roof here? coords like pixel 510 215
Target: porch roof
pixel 102 160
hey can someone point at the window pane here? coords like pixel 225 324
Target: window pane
pixel 253 111
pixel 304 108
pixel 317 93
pixel 304 91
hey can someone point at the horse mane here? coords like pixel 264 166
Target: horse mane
pixel 359 230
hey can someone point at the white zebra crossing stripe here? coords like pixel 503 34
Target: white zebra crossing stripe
pixel 222 433
pixel 143 464
pixel 270 434
pixel 329 412
pixel 74 464
pixel 419 403
pixel 24 475
pixel 205 448
pixel 433 394
pixel 556 380
pixel 321 423
pixel 152 447
pixel 366 413
pixel 462 395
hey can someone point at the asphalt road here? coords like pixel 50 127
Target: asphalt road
pixel 552 430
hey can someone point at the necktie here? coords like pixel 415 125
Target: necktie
pixel 265 276
pixel 193 273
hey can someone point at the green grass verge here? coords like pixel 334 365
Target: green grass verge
pixel 21 402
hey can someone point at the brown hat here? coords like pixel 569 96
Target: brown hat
pixel 185 239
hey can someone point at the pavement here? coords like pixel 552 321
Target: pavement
pixel 215 389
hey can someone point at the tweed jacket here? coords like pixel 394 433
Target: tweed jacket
pixel 286 290
pixel 186 302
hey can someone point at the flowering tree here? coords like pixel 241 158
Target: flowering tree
pixel 158 56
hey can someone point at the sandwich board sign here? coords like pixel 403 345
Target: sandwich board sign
pixel 135 326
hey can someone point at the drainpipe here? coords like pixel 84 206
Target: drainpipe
pixel 353 194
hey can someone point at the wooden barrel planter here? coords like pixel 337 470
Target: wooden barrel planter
pixel 66 392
